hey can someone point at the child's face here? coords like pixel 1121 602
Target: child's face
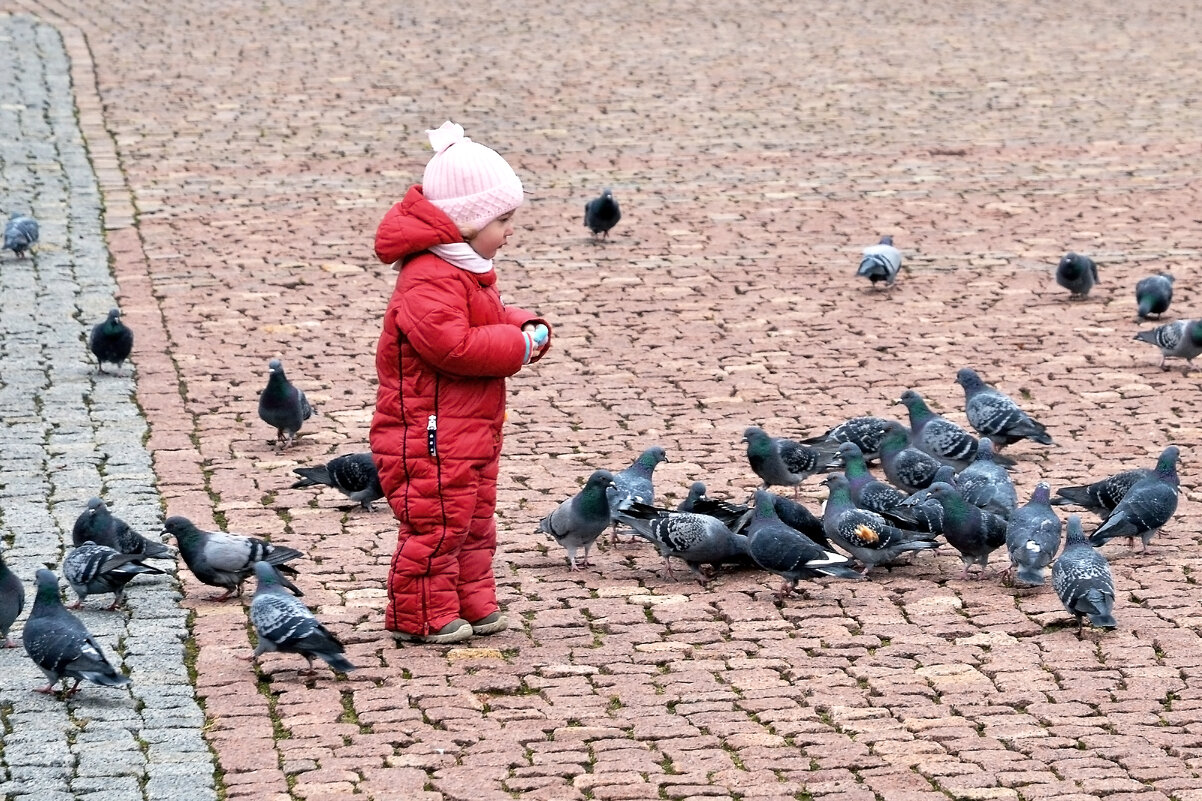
pixel 493 236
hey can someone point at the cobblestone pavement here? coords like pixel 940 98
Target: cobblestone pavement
pixel 69 434
pixel 245 153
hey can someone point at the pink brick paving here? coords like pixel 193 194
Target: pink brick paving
pixel 755 149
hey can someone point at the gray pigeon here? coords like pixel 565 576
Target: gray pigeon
pixel 986 484
pixel 865 432
pixel 111 341
pixel 1101 496
pixel 1153 295
pixel 1081 577
pixel 940 437
pixel 282 406
pixel 973 532
pixel 577 522
pixel 927 512
pixel 1033 537
pixel 97 569
pixel 59 643
pixel 12 601
pixel 907 468
pixel 1180 339
pixel 601 214
pixel 227 560
pixel 20 233
pixel 867 536
pixel 784 463
pixel 354 475
pixel 1077 274
pixel 786 552
pixel 995 415
pixel 99 525
pixel 696 539
pixel 870 493
pixel 734 516
pixel 881 262
pixel 286 625
pixel 1147 506
pixel 634 484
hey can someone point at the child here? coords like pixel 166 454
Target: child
pixel 447 345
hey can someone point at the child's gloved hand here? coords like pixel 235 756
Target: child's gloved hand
pixel 536 341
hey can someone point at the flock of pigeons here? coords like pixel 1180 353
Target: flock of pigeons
pixel 941 485
pixel 1181 339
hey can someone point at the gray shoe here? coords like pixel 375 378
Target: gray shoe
pixel 491 624
pixel 457 630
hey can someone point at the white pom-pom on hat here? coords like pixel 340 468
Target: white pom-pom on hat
pixel 471 183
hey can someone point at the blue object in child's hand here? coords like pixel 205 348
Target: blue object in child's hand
pixel 539 335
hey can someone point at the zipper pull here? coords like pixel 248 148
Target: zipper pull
pixel 431 432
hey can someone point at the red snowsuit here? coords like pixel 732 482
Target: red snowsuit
pixel 447 345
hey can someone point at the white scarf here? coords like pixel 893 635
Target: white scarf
pixel 462 256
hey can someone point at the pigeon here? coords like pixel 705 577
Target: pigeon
pixel 1077 274
pixel 1102 496
pixel 866 535
pixel 20 233
pixel 868 492
pixel 111 341
pixel 97 524
pixel 986 484
pixel 734 516
pixel 881 262
pixel 696 539
pixel 996 415
pixel 973 532
pixel 1180 339
pixel 1153 295
pixel 286 625
pixel 1033 537
pixel 601 214
pixel 797 517
pixel 1081 577
pixel 354 475
pixel 12 601
pixel 905 466
pixel 59 643
pixel 865 432
pixel 927 512
pixel 783 462
pixel 940 437
pixel 1145 507
pixel 92 569
pixel 227 560
pixel 578 521
pixel 785 552
pixel 282 406
pixel 634 484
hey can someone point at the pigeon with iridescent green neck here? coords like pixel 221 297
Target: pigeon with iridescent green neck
pixel 972 531
pixel 282 406
pixel 906 467
pixel 1153 295
pixel 865 432
pixel 781 462
pixel 868 492
pixel 1146 507
pixel 286 625
pixel 634 483
pixel 578 521
pixel 111 341
pixel 940 437
pixel 786 552
pixel 986 484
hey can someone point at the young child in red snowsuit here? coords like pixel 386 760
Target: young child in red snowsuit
pixel 447 345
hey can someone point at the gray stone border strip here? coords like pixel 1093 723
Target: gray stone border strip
pixel 69 434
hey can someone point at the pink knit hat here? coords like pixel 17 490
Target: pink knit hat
pixel 468 181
